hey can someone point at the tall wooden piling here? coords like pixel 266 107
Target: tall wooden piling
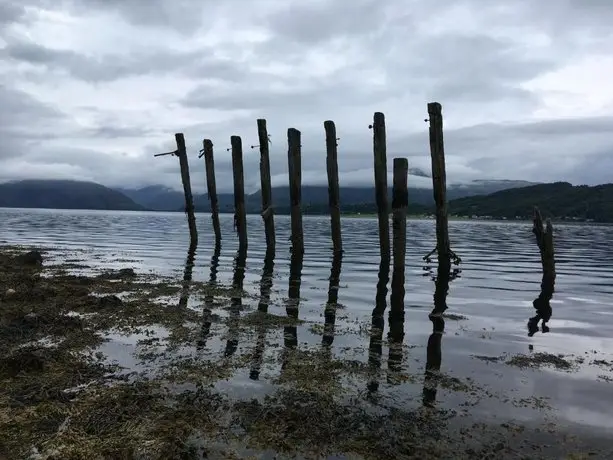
pixel 266 187
pixel 295 185
pixel 333 187
pixel 209 162
pixel 380 156
pixel 240 215
pixel 181 152
pixel 439 180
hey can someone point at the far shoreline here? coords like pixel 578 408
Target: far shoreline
pixel 307 215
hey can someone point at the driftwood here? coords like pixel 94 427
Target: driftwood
pixel 544 241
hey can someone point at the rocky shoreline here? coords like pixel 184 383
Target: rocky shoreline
pixel 61 397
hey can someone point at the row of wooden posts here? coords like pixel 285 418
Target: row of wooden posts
pixel 399 190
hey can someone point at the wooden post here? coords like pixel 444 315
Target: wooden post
pixel 331 304
pixel 266 282
pixel 187 188
pixel 240 216
pixel 333 188
pixel 209 162
pixel 439 182
pixel 295 184
pixel 380 154
pixel 266 188
pixel 400 200
pixel 544 240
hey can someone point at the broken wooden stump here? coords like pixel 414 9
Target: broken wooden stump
pixel 240 214
pixel 544 241
pixel 295 185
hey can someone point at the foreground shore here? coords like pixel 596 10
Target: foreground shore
pixel 63 395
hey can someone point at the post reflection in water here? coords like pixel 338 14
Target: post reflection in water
pixel 542 305
pixel 187 276
pixel 290 333
pixel 265 287
pixel 332 303
pixel 209 299
pixel 395 336
pixel 375 347
pixel 434 351
pixel 236 302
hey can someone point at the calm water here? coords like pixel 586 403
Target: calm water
pixel 500 276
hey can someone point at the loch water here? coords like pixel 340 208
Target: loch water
pixel 488 304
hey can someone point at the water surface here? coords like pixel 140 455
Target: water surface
pixel 492 294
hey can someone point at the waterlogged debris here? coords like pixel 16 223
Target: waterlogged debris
pixel 539 360
pixel 454 317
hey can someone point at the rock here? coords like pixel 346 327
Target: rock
pixel 109 301
pixel 31 318
pixel 10 292
pixel 126 273
pixel 30 258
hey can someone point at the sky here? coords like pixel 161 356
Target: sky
pixel 91 89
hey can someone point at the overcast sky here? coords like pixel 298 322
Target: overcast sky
pixel 90 89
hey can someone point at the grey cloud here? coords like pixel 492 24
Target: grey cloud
pixel 112 67
pixel 10 12
pixel 321 21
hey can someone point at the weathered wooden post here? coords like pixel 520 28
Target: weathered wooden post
pixel 266 188
pixel 400 202
pixel 209 162
pixel 332 303
pixel 439 184
pixel 240 215
pixel 181 152
pixel 333 188
pixel 380 154
pixel 542 304
pixel 295 184
pixel 400 199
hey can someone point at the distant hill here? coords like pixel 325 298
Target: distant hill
pixel 162 198
pixel 155 197
pixel 63 194
pixel 559 200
